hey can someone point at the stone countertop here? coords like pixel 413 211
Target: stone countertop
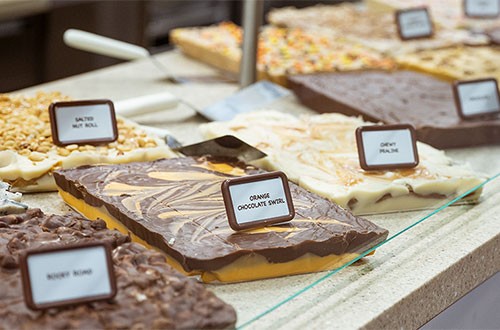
pixel 408 281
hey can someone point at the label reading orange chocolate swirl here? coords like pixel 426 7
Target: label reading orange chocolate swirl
pixel 257 200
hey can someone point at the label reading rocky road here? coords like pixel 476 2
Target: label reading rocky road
pixel 382 147
pixel 83 122
pixel 477 98
pixel 67 275
pixel 414 23
pixel 482 8
pixel 257 200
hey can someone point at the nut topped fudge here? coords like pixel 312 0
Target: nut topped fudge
pixel 28 155
pixel 176 206
pixel 151 295
pixel 319 153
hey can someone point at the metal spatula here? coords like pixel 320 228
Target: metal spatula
pixel 97 44
pixel 224 146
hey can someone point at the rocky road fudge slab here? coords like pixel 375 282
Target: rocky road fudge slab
pixel 151 295
pixel 281 52
pixel 176 206
pixel 395 98
pixel 319 153
pixel 370 28
pixel 28 155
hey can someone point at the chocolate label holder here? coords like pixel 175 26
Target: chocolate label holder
pixel 458 104
pixel 361 152
pixel 400 12
pixel 90 141
pixel 26 283
pixel 228 202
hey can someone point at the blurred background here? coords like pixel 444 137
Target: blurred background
pixel 32 49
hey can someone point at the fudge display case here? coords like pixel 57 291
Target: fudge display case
pixel 390 248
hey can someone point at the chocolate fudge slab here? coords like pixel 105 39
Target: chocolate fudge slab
pixel 176 206
pixel 151 294
pixel 394 98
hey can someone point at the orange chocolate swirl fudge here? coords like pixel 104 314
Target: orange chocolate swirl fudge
pixel 176 206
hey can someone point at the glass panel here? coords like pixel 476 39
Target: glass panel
pixel 273 302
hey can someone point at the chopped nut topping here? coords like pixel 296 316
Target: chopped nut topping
pixel 25 129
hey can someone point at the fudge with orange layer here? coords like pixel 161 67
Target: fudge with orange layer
pixel 176 206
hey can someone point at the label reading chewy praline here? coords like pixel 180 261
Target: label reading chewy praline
pixel 382 147
pixel 257 200
pixel 67 275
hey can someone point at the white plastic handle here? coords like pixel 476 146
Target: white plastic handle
pixel 97 44
pixel 146 104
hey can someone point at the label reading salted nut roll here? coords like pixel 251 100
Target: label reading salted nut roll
pixel 83 122
pixel 67 275
pixel 477 98
pixel 414 23
pixel 482 8
pixel 383 147
pixel 257 200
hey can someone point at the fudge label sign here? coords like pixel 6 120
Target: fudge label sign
pixel 67 275
pixel 476 98
pixel 482 8
pixel 382 147
pixel 414 23
pixel 83 122
pixel 257 200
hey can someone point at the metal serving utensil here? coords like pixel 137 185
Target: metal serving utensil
pixel 98 44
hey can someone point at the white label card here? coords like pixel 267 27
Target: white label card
pixel 482 8
pixel 477 98
pixel 414 23
pixel 386 147
pixel 259 200
pixel 83 122
pixel 256 200
pixel 67 276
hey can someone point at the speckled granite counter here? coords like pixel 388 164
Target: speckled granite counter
pixel 407 282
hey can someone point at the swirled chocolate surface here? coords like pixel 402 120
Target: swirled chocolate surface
pixel 176 205
pixel 151 295
pixel 395 98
